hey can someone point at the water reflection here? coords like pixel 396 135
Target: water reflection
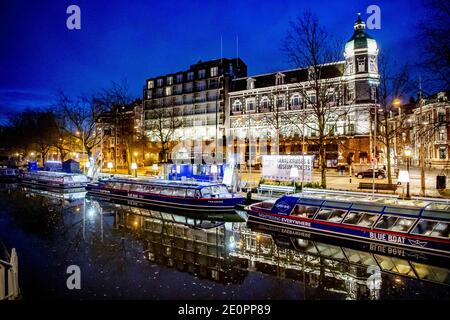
pixel 198 256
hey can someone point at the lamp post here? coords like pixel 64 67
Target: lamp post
pixel 408 157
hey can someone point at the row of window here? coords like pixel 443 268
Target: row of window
pixel 207 192
pixel 201 74
pixel 372 220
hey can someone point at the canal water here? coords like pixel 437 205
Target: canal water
pixel 127 252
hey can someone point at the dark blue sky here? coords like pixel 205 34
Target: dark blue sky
pixel 135 40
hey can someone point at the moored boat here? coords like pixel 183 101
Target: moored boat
pixel 8 174
pixel 54 180
pixel 192 196
pixel 421 225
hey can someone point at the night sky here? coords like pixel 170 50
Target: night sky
pixel 138 39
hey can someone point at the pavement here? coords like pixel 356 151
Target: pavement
pixel 342 182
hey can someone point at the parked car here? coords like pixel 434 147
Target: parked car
pixel 379 173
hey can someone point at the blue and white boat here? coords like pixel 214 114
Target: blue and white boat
pixel 193 196
pixel 419 224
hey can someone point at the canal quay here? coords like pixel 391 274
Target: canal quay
pixel 126 251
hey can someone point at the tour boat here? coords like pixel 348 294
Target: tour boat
pixel 194 196
pixel 8 174
pixel 421 225
pixel 54 180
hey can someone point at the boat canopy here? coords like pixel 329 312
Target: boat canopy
pixel 164 183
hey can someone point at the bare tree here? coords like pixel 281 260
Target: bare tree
pixel 434 39
pixel 394 84
pixel 162 124
pixel 310 46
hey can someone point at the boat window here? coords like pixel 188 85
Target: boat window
pixel 155 189
pixel 179 192
pixel 403 224
pixel 332 215
pixel 386 222
pixel 197 194
pixel 126 187
pixel 368 220
pixel 219 190
pixel 190 193
pixel 135 187
pixel 206 192
pixel 304 211
pixel 167 191
pixel 432 229
pixel 353 217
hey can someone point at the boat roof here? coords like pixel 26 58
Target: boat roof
pixel 164 183
pixel 55 173
pixel 378 203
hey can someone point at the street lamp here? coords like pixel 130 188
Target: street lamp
pixel 110 166
pixel 155 168
pixel 134 167
pixel 408 157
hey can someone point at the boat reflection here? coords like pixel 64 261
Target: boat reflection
pixel 226 250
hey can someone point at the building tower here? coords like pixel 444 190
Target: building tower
pixel 361 65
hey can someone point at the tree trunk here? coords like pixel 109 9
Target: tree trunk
pixel 388 150
pixel 322 166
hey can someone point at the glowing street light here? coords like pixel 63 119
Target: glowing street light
pixel 396 102
pixel 134 167
pixel 155 168
pixel 110 166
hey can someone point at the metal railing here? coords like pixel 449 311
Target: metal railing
pixel 9 278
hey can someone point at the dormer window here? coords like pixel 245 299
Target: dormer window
pixel 169 80
pixel 250 83
pixel 237 106
pixel 361 64
pixel 201 73
pixel 190 76
pixel 279 79
pixel 250 105
pixel 150 84
pixel 214 71
pixel 160 82
pixel 265 103
pixel 179 78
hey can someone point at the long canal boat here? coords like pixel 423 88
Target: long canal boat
pixel 54 180
pixel 191 196
pixel 420 225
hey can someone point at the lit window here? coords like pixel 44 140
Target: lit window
pixel 150 85
pixel 169 80
pixel 251 105
pixel 296 101
pixel 265 103
pixel 168 91
pixel 361 64
pixel 372 65
pixel 214 71
pixel 237 106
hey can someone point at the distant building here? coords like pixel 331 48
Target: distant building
pixel 425 126
pixel 198 97
pixel 255 101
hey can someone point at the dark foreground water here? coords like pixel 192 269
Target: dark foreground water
pixel 126 252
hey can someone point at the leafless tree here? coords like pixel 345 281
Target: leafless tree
pixel 308 45
pixel 434 39
pixel 162 125
pixel 395 83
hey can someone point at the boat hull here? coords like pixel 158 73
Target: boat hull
pixel 436 246
pixel 53 185
pixel 187 204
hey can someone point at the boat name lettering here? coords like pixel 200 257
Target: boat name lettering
pixel 285 220
pixel 387 237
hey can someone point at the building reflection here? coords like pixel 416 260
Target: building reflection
pixel 227 251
